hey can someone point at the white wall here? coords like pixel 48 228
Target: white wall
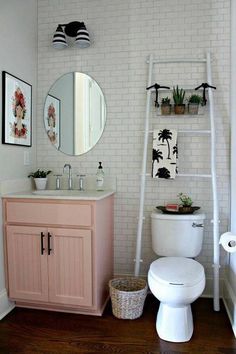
pixel 124 33
pixel 229 289
pixel 18 42
pixel 18 38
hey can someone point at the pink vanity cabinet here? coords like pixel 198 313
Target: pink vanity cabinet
pixel 59 253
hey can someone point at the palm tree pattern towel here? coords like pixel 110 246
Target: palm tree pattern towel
pixel 164 153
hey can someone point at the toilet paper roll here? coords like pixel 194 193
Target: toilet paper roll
pixel 228 242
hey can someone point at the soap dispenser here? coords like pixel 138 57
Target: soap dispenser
pixel 100 178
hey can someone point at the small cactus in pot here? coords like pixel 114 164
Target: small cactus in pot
pixel 165 106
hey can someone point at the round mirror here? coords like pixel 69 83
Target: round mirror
pixel 74 113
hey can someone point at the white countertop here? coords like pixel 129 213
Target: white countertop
pixel 61 194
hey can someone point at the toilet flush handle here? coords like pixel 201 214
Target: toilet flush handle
pixel 197 225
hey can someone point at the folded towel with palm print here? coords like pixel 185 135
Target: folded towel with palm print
pixel 164 153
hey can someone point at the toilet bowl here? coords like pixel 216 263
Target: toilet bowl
pixel 176 282
pixel 176 279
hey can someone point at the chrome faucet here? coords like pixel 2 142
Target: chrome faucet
pixel 69 176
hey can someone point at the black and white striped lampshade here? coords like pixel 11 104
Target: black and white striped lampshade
pixel 82 38
pixel 59 39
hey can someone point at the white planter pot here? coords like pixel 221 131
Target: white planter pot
pixel 40 183
pixel 193 108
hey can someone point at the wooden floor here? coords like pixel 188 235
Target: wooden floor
pixel 33 331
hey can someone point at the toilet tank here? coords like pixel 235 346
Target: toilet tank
pixel 177 235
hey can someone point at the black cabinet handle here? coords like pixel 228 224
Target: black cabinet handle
pixel 49 243
pixel 42 248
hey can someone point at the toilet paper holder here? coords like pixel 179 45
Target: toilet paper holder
pixel 228 242
pixel 232 243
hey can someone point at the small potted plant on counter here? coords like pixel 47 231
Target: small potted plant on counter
pixel 40 178
pixel 178 97
pixel 193 104
pixel 165 106
pixel 186 203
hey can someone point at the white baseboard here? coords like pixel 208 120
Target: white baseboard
pixel 229 299
pixel 5 305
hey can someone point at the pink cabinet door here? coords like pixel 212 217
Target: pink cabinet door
pixel 70 267
pixel 27 263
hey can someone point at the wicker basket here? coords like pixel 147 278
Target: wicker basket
pixel 127 297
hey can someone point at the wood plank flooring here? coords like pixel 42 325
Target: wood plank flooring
pixel 35 331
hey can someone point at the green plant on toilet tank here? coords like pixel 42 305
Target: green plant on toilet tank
pixel 40 178
pixel 185 200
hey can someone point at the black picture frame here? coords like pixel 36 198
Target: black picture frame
pixel 16 111
pixel 55 130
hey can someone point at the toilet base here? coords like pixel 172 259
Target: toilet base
pixel 174 324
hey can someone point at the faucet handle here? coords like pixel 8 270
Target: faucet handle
pixel 58 182
pixel 81 182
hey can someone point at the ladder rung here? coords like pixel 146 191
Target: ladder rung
pixel 193 175
pixel 194 131
pixel 153 90
pixel 187 175
pixel 188 131
pixel 174 60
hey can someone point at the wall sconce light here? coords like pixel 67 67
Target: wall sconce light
pixel 72 29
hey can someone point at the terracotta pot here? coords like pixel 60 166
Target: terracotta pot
pixel 185 209
pixel 193 108
pixel 179 109
pixel 40 183
pixel 166 109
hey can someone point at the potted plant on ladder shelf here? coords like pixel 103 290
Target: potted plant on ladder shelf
pixel 193 104
pixel 178 97
pixel 165 106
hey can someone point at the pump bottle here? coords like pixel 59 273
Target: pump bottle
pixel 100 178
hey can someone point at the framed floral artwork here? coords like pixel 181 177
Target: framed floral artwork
pixel 17 111
pixel 52 119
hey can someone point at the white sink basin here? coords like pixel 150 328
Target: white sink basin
pixel 72 194
pixel 60 192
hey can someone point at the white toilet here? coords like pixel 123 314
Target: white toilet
pixel 175 280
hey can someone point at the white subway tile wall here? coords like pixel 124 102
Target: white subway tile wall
pixel 123 33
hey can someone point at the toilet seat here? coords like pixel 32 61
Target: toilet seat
pixel 177 271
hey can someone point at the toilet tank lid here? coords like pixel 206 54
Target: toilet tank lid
pixel 157 214
pixel 177 271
